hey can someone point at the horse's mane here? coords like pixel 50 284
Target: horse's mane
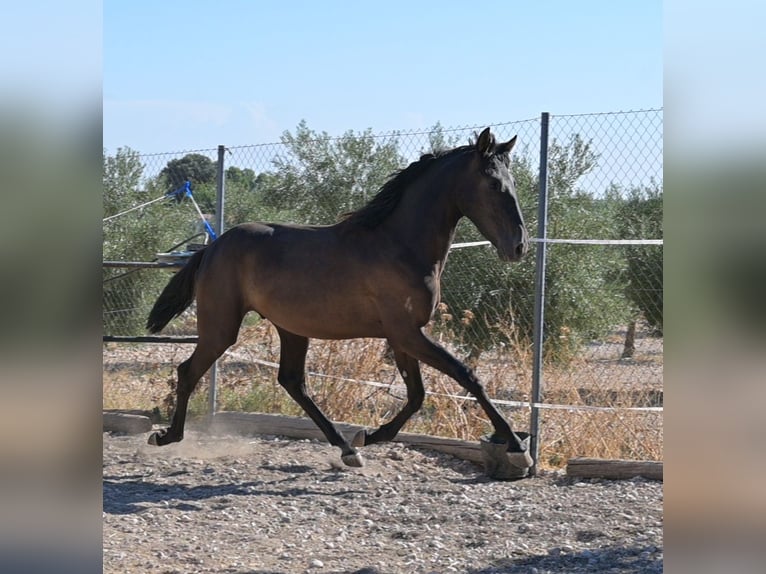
pixel 391 192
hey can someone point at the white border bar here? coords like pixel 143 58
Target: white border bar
pixel 572 242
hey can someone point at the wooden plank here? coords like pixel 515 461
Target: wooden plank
pixel 614 469
pixel 462 449
pixel 269 424
pixel 299 427
pixel 141 265
pixel 154 415
pixel 126 423
pixel 149 339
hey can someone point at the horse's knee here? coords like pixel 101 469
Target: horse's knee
pixel 469 381
pixel 295 386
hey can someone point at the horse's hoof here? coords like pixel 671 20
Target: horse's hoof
pixel 501 464
pixel 161 438
pixel 520 459
pixel 354 459
pixel 359 438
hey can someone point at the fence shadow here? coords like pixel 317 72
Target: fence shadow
pixel 122 496
pixel 636 559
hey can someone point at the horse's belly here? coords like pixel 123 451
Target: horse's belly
pixel 326 327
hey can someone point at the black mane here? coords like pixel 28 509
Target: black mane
pixel 391 192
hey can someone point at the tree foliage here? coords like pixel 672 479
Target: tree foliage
pixel 197 169
pixel 121 178
pixel 319 178
pixel 194 167
pixel 640 217
pixel 439 141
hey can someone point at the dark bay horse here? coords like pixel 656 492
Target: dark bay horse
pixel 376 273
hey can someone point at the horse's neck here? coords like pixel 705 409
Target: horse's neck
pixel 425 220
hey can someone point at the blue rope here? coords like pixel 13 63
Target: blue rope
pixel 186 191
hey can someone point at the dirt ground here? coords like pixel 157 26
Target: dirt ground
pixel 272 505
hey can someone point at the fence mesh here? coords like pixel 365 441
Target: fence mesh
pixel 603 344
pixel 610 332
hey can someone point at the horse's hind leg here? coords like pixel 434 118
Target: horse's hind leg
pixel 292 365
pixel 214 339
pixel 409 368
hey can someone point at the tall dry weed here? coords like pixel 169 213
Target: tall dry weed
pixel 335 367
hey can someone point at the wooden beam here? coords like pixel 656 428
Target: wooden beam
pixel 299 427
pixel 153 415
pixel 141 264
pixel 126 423
pixel 149 339
pixel 614 469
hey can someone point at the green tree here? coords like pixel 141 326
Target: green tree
pixel 438 140
pixel 194 167
pixel 121 179
pixel 584 296
pixel 197 169
pixel 242 178
pixel 244 198
pixel 640 217
pixel 319 177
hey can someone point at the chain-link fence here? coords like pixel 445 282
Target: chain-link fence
pixel 601 378
pixel 603 289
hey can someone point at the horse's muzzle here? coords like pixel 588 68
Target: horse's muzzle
pixel 514 252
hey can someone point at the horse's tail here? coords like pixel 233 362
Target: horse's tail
pixel 177 295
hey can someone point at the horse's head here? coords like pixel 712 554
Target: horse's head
pixel 488 197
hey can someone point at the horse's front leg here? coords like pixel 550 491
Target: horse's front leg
pixel 292 365
pixel 419 346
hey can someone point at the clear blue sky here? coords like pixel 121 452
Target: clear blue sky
pixel 195 74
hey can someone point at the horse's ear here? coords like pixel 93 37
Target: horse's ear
pixel 505 148
pixel 485 142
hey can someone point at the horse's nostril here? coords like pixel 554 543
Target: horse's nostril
pixel 521 249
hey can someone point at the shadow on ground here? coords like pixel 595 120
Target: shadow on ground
pixel 622 560
pixel 132 494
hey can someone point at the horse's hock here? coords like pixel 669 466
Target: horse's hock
pixel 501 464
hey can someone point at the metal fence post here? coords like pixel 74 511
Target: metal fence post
pixel 220 187
pixel 539 312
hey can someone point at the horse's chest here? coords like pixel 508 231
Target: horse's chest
pixel 421 303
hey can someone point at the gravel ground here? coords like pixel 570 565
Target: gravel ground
pixel 271 505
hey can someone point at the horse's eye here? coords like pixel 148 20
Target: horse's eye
pixel 496 185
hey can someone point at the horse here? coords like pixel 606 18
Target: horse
pixel 375 273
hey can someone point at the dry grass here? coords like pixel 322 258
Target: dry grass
pixel 142 377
